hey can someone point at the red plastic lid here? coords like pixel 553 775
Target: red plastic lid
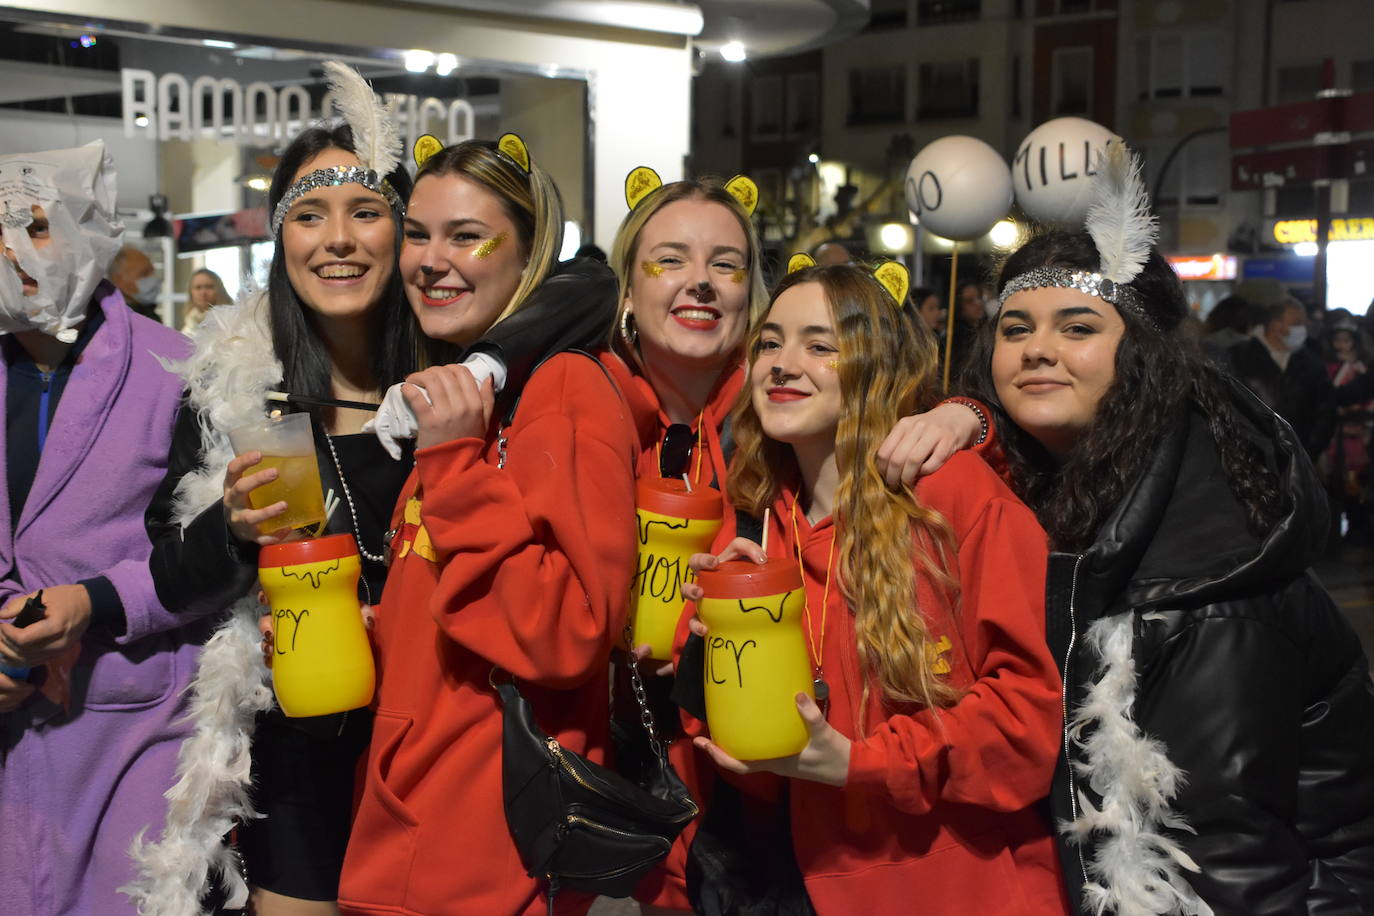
pixel 747 579
pixel 310 550
pixel 669 496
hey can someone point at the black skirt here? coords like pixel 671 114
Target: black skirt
pixel 303 778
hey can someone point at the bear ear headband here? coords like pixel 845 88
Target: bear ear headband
pixel 891 275
pixel 643 181
pixel 376 142
pixel 1122 228
pixel 510 147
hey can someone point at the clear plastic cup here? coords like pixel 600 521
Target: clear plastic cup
pixel 286 443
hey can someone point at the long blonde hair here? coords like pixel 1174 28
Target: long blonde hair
pixel 531 200
pixel 632 227
pixel 887 370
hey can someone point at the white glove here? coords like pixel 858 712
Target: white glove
pixel 395 420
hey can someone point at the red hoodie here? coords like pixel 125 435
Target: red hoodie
pixel 937 813
pixel 666 886
pixel 525 568
pixel 708 462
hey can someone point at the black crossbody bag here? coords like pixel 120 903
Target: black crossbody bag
pixel 576 824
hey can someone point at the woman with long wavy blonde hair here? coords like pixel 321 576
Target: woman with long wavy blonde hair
pixel 924 618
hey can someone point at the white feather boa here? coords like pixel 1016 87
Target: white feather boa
pixel 1136 868
pixel 226 377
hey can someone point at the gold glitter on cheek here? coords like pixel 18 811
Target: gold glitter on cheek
pixel 485 249
pixel 740 275
pixel 834 364
pixel 651 269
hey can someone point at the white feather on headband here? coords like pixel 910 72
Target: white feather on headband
pixel 376 138
pixel 1119 219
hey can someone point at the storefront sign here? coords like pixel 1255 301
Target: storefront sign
pixel 1287 270
pixel 1294 231
pixel 1205 267
pixel 197 233
pixel 173 107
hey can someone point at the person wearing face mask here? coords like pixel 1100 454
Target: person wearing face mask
pixel 1282 371
pixel 91 694
pixel 133 274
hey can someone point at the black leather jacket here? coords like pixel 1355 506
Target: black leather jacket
pixel 1247 673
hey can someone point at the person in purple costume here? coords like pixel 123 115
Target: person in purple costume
pixel 92 695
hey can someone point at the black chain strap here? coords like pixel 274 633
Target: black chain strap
pixel 646 717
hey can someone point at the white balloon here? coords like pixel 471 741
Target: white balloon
pixel 958 187
pixel 1053 168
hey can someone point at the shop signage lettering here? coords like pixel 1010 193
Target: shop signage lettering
pixel 1294 231
pixel 174 107
pixel 1205 267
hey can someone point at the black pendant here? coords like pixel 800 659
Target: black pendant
pixel 822 690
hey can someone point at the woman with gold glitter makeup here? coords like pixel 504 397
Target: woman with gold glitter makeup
pixel 513 550
pixel 933 730
pixel 334 323
pixel 688 260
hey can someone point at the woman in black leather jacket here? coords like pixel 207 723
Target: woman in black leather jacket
pixel 1219 715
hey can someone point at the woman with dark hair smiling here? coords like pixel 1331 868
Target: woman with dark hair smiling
pixel 333 324
pixel 1218 749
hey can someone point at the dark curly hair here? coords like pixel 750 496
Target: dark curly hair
pixel 1157 369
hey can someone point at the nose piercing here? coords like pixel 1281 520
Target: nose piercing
pixel 777 373
pixel 702 292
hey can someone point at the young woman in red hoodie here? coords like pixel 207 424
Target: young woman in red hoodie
pixel 514 551
pixel 924 616
pixel 691 282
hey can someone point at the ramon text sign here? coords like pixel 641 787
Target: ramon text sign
pixel 175 107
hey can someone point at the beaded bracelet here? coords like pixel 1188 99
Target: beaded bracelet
pixel 977 409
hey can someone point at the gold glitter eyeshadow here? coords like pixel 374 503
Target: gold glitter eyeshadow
pixel 651 269
pixel 485 249
pixel 740 275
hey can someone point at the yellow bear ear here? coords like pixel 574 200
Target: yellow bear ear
pixel 800 261
pixel 639 184
pixel 515 148
pixel 894 278
pixel 425 147
pixel 745 191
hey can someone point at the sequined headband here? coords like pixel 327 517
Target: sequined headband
pixel 332 178
pixel 1085 281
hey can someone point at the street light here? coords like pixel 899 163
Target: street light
pixel 1004 234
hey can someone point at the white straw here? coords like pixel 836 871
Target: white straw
pixel 688 482
pixel 764 545
pixel 331 502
